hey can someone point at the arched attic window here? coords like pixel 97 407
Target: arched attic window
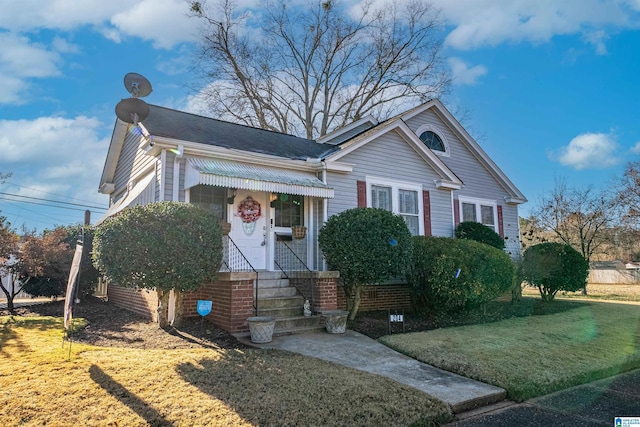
pixel 433 139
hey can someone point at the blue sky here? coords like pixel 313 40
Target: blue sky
pixel 551 89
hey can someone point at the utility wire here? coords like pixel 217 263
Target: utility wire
pixel 46 204
pixel 46 192
pixel 54 201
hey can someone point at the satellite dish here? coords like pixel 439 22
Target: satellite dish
pixel 132 110
pixel 137 85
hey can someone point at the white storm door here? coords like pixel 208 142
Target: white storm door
pixel 249 226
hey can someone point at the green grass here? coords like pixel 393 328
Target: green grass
pixel 39 385
pixel 535 355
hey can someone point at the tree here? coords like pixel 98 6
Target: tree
pixel 578 217
pixel 367 246
pixel 45 257
pixel 54 281
pixel 8 251
pixel 629 192
pixel 163 246
pixel 554 267
pixel 307 68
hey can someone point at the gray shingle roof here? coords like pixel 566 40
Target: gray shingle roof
pixel 165 122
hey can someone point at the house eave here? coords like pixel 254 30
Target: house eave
pixel 107 188
pixel 447 185
pixel 515 200
pixel 204 150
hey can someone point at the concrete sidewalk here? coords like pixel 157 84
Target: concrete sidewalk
pixel 358 351
pixel 598 403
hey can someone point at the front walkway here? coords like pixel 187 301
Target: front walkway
pixel 358 351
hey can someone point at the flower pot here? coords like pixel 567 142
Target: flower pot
pixel 336 321
pixel 261 328
pixel 298 232
pixel 226 228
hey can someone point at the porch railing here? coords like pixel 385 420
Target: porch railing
pixel 233 260
pixel 294 269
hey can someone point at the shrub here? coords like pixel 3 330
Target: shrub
pixel 161 246
pixel 553 267
pixel 480 233
pixel 367 246
pixel 456 274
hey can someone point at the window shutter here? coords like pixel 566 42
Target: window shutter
pixel 500 224
pixel 456 212
pixel 426 210
pixel 362 194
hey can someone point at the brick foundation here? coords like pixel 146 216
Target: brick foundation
pixel 232 296
pixel 143 302
pixel 380 297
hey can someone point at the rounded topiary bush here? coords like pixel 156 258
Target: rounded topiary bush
pixel 455 274
pixel 553 267
pixel 367 246
pixel 163 246
pixel 480 233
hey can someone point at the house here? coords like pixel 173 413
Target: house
pixel 421 164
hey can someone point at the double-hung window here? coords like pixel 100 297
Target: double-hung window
pixel 398 197
pixel 479 210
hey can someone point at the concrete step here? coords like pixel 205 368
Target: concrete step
pixel 288 291
pixel 272 283
pixel 296 330
pixel 270 275
pixel 280 312
pixel 281 302
pixel 288 323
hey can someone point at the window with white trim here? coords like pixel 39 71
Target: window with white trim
pixel 479 210
pixel 398 197
pixel 433 138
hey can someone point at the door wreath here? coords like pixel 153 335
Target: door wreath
pixel 249 211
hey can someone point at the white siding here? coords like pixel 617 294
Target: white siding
pixel 132 161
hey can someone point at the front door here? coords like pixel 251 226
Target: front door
pixel 249 226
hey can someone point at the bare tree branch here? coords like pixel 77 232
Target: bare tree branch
pixel 310 68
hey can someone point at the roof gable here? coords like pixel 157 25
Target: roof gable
pixel 448 178
pixel 516 196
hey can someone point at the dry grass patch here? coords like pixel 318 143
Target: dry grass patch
pixel 133 387
pixel 535 355
pixel 598 291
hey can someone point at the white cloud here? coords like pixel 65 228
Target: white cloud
pixel 20 60
pixel 462 74
pixel 480 23
pixel 636 148
pixel 589 151
pixel 64 156
pixel 30 15
pixel 164 22
pixel 19 56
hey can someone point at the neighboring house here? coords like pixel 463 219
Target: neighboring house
pixel 420 164
pixel 613 272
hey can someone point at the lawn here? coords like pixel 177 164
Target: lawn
pixel 598 291
pixel 536 355
pixel 134 387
